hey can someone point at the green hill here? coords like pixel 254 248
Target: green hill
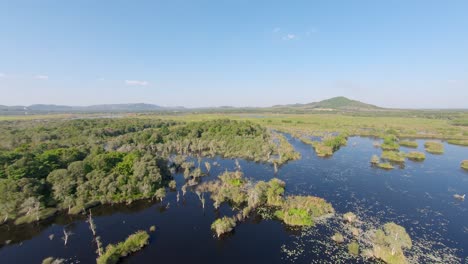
pixel 335 103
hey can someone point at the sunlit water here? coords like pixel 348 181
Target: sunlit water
pixel 418 197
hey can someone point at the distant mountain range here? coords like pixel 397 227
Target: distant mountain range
pixel 333 104
pixel 44 108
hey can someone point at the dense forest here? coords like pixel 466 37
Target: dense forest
pixel 71 165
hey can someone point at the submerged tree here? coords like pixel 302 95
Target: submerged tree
pixel 223 225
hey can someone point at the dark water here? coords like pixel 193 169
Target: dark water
pixel 418 197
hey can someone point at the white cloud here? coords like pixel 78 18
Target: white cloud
pixel 136 83
pixel 289 37
pixel 42 77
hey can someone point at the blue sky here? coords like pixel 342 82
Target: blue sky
pixel 240 53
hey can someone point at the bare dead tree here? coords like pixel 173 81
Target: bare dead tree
pixel 66 234
pixel 92 226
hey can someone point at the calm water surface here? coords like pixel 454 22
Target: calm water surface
pixel 418 197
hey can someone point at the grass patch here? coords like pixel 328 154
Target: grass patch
pixel 459 142
pixel 132 244
pixel 416 156
pixel 434 147
pixel 408 143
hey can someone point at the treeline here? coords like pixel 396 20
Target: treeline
pixel 74 164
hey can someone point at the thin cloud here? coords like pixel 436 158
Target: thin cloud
pixel 2 75
pixel 289 37
pixel 276 30
pixel 136 83
pixel 452 81
pixel 41 77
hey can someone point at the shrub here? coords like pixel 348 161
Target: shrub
pixel 301 210
pixel 223 225
pixel 132 244
pixel 160 193
pixel 416 155
pixel 172 185
pixel 434 147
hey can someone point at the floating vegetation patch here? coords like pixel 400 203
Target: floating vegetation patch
pixel 393 156
pixel 390 142
pixel 408 143
pixel 385 166
pixel 328 145
pixel 416 156
pixel 434 147
pixel 464 164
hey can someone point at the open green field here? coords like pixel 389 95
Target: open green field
pixel 319 124
pixel 311 124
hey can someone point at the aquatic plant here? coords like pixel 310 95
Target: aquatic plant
pixel 132 244
pixel 393 156
pixel 385 166
pixel 408 143
pixel 152 228
pixel 350 217
pixel 416 155
pixel 223 225
pixel 338 238
pixel 434 147
pixel 389 243
pixel 353 248
pixel 464 164
pixel 375 160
